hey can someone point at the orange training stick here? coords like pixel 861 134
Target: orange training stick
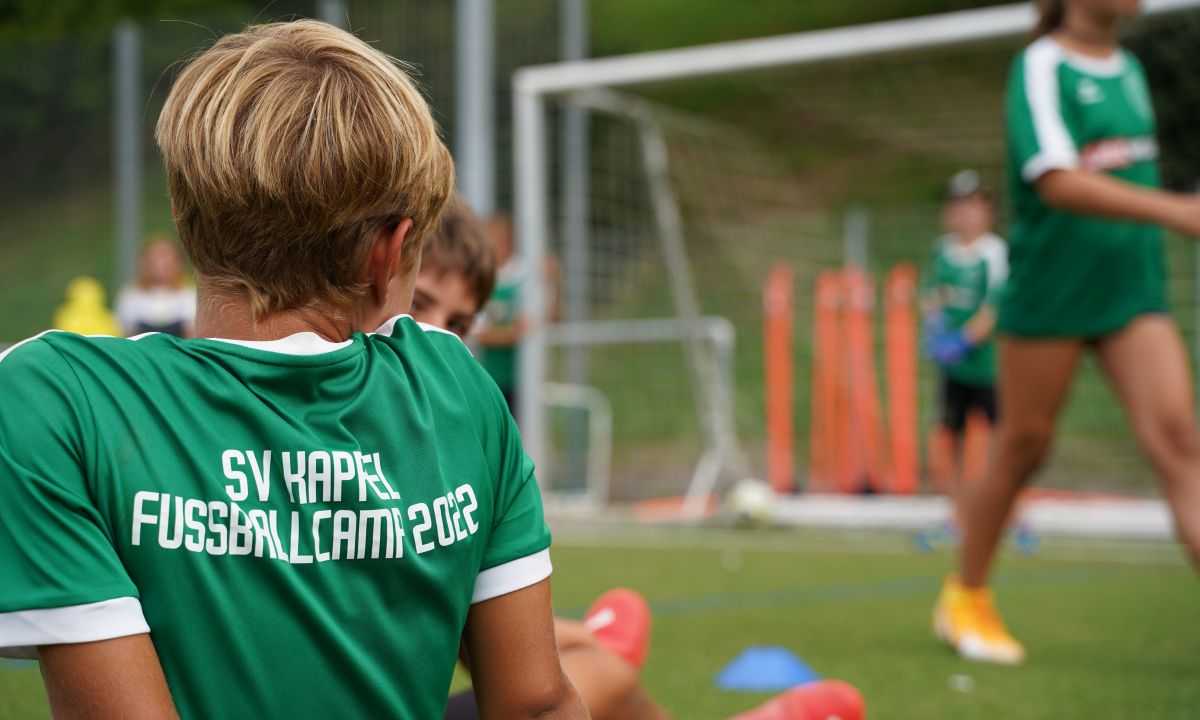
pixel 825 424
pixel 777 357
pixel 866 466
pixel 877 457
pixel 848 440
pixel 851 444
pixel 901 347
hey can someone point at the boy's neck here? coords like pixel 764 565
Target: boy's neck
pixel 221 315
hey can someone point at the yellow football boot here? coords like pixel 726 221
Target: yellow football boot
pixel 967 619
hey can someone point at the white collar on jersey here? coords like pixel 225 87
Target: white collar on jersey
pixel 302 343
pixel 1109 66
pixel 310 343
pixel 970 253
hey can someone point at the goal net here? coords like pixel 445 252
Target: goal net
pixel 648 236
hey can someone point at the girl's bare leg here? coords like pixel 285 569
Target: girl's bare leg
pixel 1148 367
pixel 1035 377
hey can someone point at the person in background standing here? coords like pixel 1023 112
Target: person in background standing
pixel 962 287
pixel 503 325
pixel 162 299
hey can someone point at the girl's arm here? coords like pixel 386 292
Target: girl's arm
pixel 1089 193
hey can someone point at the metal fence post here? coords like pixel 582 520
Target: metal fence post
pixel 332 12
pixel 127 148
pixel 575 221
pixel 475 118
pixel 575 184
pixel 529 158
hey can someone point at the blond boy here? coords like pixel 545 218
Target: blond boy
pixel 291 516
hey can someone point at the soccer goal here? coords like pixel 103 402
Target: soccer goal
pixel 647 241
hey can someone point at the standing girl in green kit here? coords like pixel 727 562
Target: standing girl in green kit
pixel 1087 273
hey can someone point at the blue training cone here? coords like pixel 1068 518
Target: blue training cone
pixel 765 669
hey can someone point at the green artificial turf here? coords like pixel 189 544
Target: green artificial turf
pixel 1110 628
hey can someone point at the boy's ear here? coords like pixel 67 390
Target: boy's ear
pixel 386 258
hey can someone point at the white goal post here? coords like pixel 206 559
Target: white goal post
pixel 534 86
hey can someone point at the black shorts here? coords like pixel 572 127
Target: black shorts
pixel 960 399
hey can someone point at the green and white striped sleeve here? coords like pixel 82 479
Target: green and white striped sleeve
pixel 1038 135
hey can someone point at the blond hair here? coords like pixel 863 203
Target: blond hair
pixel 289 147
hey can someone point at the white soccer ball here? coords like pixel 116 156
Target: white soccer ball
pixel 752 502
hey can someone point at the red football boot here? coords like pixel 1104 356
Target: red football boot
pixel 825 700
pixel 620 621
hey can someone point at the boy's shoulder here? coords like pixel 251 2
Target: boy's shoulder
pixel 443 360
pixel 425 344
pixel 44 379
pixel 62 346
pixel 56 367
pixel 406 330
pixel 993 247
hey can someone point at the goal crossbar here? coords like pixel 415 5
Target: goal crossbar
pixel 792 49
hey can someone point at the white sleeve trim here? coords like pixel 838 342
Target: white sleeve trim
pixel 512 576
pixel 22 631
pixel 1056 149
pixel 1042 163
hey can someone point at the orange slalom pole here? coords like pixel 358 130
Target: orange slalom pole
pixel 851 471
pixel 868 461
pixel 876 461
pixel 825 422
pixel 900 343
pixel 778 361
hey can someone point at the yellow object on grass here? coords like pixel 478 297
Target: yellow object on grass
pixel 84 311
pixel 966 619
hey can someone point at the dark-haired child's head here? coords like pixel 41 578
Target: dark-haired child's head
pixel 458 271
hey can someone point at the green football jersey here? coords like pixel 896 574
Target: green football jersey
pixel 964 278
pixel 1073 275
pixel 502 310
pixel 301 525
